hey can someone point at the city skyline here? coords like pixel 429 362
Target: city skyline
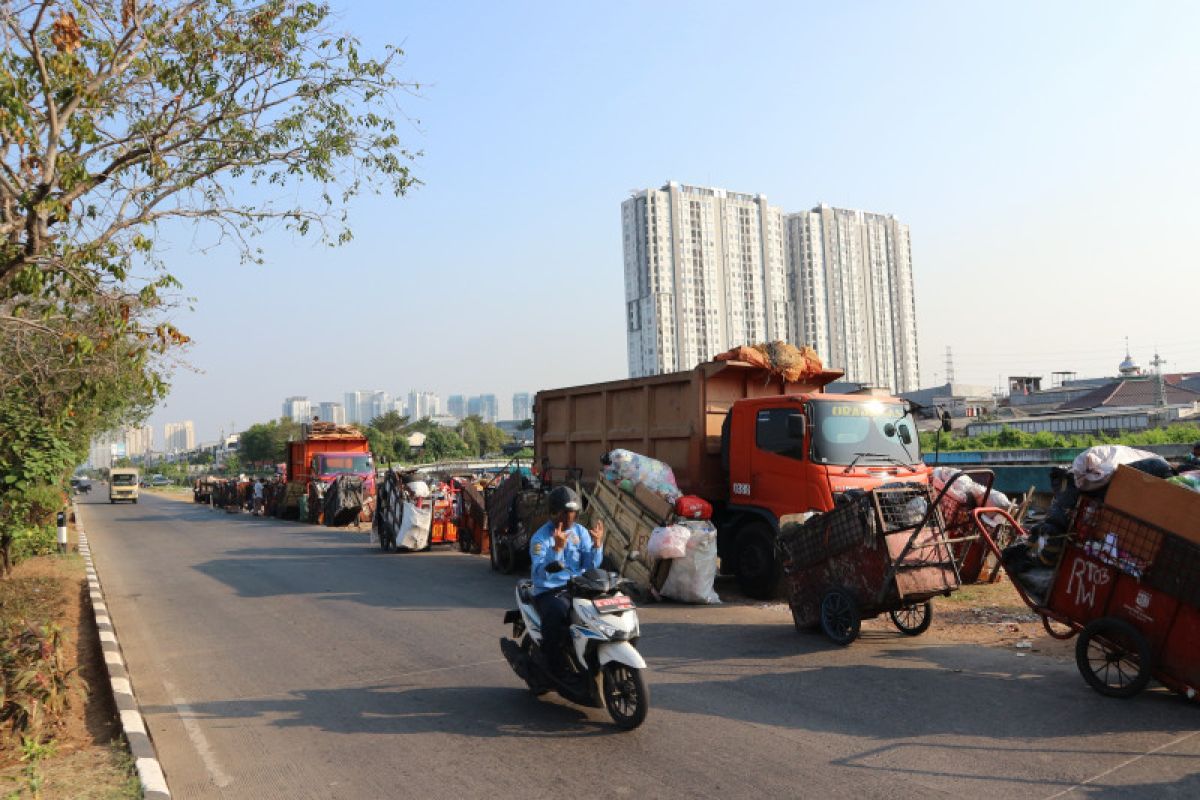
pixel 1065 173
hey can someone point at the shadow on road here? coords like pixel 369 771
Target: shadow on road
pixel 408 710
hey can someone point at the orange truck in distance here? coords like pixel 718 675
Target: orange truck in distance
pixel 758 449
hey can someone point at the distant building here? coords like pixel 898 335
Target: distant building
pixel 332 412
pixel 180 437
pixel 456 406
pixel 297 409
pixel 960 400
pixel 358 406
pixel 705 270
pixel 483 406
pixel 853 295
pixel 522 403
pixel 423 404
pixel 138 441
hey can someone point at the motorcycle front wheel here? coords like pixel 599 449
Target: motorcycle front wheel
pixel 625 695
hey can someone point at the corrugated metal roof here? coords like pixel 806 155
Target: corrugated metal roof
pixel 1131 393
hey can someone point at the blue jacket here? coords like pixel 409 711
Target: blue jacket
pixel 578 555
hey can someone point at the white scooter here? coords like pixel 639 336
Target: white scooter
pixel 604 656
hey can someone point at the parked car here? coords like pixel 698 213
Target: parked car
pixel 159 480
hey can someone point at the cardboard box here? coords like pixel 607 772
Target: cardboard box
pixel 655 503
pixel 1172 508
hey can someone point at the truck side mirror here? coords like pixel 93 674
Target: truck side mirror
pixel 947 425
pixel 905 433
pixel 795 426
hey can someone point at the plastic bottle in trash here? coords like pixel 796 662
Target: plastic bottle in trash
pixel 1109 552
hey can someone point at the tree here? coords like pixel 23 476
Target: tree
pixel 390 423
pixel 268 441
pixel 442 444
pixel 122 116
pixel 481 437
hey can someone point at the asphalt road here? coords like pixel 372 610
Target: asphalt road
pixel 274 659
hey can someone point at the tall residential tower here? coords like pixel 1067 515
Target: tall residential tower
pixel 853 292
pixel 705 270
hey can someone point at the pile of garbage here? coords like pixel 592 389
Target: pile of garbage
pixel 790 363
pixel 687 539
pixel 1032 560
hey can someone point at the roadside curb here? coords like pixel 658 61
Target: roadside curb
pixel 150 771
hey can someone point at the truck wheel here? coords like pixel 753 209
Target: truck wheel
pixel 839 616
pixel 494 556
pixel 506 558
pixel 758 568
pixel 1113 657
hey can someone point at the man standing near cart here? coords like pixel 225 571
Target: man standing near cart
pixel 575 549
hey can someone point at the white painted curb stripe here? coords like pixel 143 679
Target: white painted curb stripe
pixel 150 771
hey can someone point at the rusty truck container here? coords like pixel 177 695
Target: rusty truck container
pixel 675 418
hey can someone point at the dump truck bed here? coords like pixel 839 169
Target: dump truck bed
pixel 675 418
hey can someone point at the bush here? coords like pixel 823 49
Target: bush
pixel 41 540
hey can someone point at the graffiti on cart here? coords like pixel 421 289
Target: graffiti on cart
pixel 1086 576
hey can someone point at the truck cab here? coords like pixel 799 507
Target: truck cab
pixel 326 467
pixel 123 484
pixel 796 454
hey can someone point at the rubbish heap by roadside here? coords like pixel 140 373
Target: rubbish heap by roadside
pixel 657 537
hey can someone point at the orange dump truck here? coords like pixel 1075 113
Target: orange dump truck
pixel 755 447
pixel 327 451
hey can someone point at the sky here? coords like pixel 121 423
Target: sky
pixel 1043 154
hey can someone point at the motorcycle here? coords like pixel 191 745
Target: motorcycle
pixel 603 648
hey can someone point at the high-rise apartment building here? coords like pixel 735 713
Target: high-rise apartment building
pixel 332 412
pixel 853 291
pixel 138 441
pixel 298 409
pixel 456 406
pixel 180 437
pixel 522 406
pixel 705 270
pixel 423 404
pixel 364 406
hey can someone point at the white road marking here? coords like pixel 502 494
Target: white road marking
pixel 188 717
pixel 1123 765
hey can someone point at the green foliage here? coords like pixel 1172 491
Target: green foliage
pixel 524 452
pixel 1011 439
pixel 482 438
pixel 268 441
pixel 442 444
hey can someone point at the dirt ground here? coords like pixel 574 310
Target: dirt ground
pixel 992 615
pixel 88 757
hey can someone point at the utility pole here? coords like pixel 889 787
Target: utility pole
pixel 1160 388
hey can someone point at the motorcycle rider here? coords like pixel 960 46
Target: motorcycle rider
pixel 563 541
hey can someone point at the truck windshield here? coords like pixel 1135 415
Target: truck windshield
pixel 347 464
pixel 869 431
pixel 123 479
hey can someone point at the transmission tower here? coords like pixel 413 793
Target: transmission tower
pixel 949 365
pixel 1160 389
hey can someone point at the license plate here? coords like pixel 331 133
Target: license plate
pixel 609 605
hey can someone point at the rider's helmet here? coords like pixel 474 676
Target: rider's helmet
pixel 563 498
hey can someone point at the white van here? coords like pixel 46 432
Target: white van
pixel 123 484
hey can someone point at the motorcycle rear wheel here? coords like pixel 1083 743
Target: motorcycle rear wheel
pixel 625 695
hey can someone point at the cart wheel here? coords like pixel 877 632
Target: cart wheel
pixel 913 620
pixel 1062 633
pixel 1113 657
pixel 804 624
pixel 839 616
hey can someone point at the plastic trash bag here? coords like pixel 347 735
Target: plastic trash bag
pixel 691 577
pixel 668 542
pixel 626 465
pixel 419 489
pixel 1094 467
pixel 414 527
